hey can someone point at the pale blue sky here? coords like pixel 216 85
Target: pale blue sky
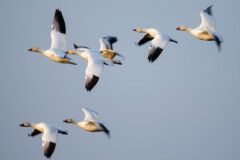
pixel 184 106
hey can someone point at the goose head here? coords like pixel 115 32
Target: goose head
pixel 25 124
pixel 71 52
pixel 68 120
pixel 34 49
pixel 138 30
pixel 181 28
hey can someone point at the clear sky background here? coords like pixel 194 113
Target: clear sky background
pixel 184 106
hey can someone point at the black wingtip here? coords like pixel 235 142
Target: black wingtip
pixel 50 149
pixel 63 132
pixel 218 42
pixel 58 22
pixel 136 44
pixel 172 40
pixel 105 130
pixel 154 54
pixel 75 46
pixel 90 83
pixel 208 10
pixel 111 39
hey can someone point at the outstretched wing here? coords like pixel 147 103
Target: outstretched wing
pixel 94 69
pixel 208 20
pixel 90 115
pixel 92 74
pixel 34 133
pixel 49 141
pixel 77 47
pixel 58 33
pixel 62 131
pixel 105 130
pixel 147 37
pixel 157 46
pixel 106 42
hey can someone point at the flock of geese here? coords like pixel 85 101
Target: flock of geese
pixel 105 56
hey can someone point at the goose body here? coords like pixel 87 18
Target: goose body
pixel 207 29
pixel 90 122
pixel 58 44
pixel 158 42
pixel 94 67
pixel 106 49
pixel 49 136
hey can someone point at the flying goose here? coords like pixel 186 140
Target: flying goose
pixel 94 67
pixel 49 136
pixel 206 30
pixel 158 41
pixel 58 45
pixel 90 123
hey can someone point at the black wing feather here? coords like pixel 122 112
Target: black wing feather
pixel 34 133
pixel 62 132
pixel 111 39
pixel 48 149
pixel 91 82
pixel 58 22
pixel 76 46
pixel 218 42
pixel 208 10
pixel 154 53
pixel 105 130
pixel 145 39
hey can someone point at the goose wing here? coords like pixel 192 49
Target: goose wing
pixel 49 141
pixel 106 42
pixel 157 46
pixel 34 133
pixel 58 33
pixel 93 72
pixel 208 20
pixel 79 47
pixel 94 69
pixel 105 130
pixel 147 37
pixel 90 115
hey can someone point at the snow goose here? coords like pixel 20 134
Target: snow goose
pixel 158 43
pixel 107 51
pixel 49 136
pixel 207 29
pixel 90 123
pixel 94 67
pixel 58 44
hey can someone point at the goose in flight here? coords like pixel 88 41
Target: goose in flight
pixel 58 44
pixel 49 136
pixel 158 42
pixel 95 64
pixel 207 29
pixel 107 51
pixel 90 123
